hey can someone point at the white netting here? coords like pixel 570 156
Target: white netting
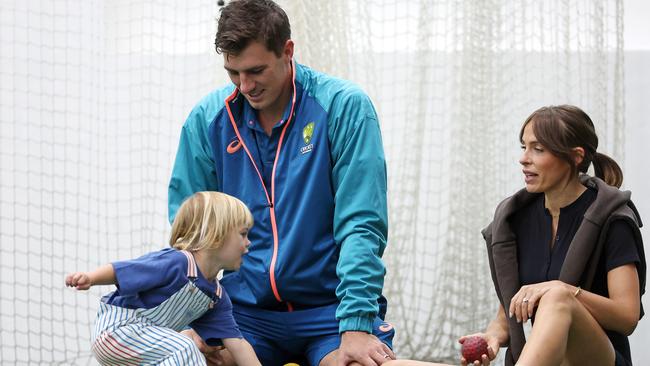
pixel 453 81
pixel 93 94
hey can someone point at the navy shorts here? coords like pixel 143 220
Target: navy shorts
pixel 305 335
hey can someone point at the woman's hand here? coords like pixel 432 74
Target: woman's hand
pixel 523 304
pixel 493 349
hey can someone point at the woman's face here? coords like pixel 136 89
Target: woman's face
pixel 543 171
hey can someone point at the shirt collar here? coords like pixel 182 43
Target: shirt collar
pixel 251 121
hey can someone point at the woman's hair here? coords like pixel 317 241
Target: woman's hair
pixel 562 128
pixel 244 21
pixel 205 219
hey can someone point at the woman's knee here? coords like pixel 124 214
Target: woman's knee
pixel 558 299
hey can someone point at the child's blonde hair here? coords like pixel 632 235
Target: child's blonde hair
pixel 205 219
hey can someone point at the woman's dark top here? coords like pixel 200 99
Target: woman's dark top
pixel 540 262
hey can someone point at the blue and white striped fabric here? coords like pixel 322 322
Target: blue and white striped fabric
pixel 150 336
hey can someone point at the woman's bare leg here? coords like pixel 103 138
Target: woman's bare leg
pixel 565 333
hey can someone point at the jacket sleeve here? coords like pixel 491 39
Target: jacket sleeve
pixel 194 169
pixel 360 214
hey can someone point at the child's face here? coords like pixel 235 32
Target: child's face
pixel 234 247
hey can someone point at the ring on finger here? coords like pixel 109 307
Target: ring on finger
pixel 524 300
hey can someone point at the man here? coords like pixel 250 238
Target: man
pixel 303 150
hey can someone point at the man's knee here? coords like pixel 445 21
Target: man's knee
pixel 329 359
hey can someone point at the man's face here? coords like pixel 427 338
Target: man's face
pixel 261 76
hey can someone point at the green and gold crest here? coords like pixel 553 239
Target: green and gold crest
pixel 307 132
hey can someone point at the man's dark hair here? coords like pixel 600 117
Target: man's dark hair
pixel 244 21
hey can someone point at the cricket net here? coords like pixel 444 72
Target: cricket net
pixel 93 95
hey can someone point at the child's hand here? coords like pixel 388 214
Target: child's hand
pixel 80 280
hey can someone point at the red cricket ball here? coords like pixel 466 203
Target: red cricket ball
pixel 473 348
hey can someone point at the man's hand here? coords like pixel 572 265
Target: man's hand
pixel 364 348
pixel 212 353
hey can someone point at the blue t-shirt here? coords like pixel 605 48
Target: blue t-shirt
pixel 146 282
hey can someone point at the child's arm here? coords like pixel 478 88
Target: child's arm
pixel 241 351
pixel 104 275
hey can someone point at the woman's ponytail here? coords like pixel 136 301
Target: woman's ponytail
pixel 608 170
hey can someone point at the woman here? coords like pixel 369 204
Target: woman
pixel 566 251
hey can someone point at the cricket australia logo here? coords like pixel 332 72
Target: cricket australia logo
pixel 307 134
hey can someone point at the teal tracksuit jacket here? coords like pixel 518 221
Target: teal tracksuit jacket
pixel 316 188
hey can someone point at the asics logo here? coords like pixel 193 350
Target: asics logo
pixel 385 327
pixel 233 146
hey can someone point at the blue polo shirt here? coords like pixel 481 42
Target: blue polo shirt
pixel 266 146
pixel 147 281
